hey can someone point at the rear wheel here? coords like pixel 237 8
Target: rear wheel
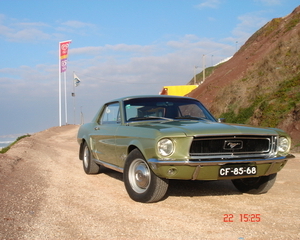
pixel 89 166
pixel 141 183
pixel 255 185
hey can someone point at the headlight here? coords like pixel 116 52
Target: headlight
pixel 283 144
pixel 165 147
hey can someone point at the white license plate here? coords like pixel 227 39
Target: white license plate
pixel 237 171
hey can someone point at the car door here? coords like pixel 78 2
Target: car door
pixel 104 133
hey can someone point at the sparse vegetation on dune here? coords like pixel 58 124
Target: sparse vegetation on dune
pixel 5 149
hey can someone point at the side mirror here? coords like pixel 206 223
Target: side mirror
pixel 221 120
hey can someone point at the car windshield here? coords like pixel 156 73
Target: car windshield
pixel 139 109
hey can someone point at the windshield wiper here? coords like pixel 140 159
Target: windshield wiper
pixel 190 117
pixel 149 118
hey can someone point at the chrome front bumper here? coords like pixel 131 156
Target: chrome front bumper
pixel 194 163
pixel 193 170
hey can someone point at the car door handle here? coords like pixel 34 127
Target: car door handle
pixel 97 128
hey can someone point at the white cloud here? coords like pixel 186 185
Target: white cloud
pixel 77 24
pixel 86 50
pixel 30 24
pixel 172 67
pixel 116 49
pixel 29 34
pixel 193 45
pixel 118 64
pixel 249 23
pixel 129 48
pixel 23 35
pixel 15 30
pixel 106 72
pixel 77 28
pixel 4 30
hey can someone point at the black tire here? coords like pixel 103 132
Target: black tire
pixel 141 183
pixel 255 185
pixel 89 166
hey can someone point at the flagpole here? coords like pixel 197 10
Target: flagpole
pixel 59 85
pixel 74 102
pixel 62 67
pixel 76 82
pixel 66 107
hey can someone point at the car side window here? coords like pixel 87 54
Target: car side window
pixel 110 114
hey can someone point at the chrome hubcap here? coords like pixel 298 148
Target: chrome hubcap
pixel 139 176
pixel 86 155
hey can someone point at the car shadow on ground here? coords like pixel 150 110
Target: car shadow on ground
pixel 189 188
pixel 112 173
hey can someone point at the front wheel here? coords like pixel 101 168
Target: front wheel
pixel 141 183
pixel 255 185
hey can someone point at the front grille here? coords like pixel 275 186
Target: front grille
pixel 233 145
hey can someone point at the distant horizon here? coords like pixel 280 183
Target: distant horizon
pixel 4 144
pixel 6 140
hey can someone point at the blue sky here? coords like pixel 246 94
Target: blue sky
pixel 119 48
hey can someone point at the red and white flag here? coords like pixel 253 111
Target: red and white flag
pixel 63 53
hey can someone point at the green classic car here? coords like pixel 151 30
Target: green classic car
pixel 151 139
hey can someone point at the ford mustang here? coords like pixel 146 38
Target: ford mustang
pixel 153 139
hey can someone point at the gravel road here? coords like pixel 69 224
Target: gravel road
pixel 45 194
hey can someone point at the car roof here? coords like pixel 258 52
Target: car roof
pixel 149 96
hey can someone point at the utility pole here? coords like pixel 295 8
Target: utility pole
pixel 203 66
pixel 195 74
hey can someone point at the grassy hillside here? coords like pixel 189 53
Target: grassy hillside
pixel 260 85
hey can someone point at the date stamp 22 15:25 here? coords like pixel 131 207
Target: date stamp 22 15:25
pixel 241 217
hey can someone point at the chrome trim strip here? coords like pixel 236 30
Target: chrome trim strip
pixel 157 162
pixel 108 165
pixel 226 155
pixel 235 134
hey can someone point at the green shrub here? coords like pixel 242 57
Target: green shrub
pixel 273 106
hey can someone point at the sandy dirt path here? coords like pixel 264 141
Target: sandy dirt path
pixel 45 194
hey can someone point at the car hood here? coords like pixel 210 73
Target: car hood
pixel 194 128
